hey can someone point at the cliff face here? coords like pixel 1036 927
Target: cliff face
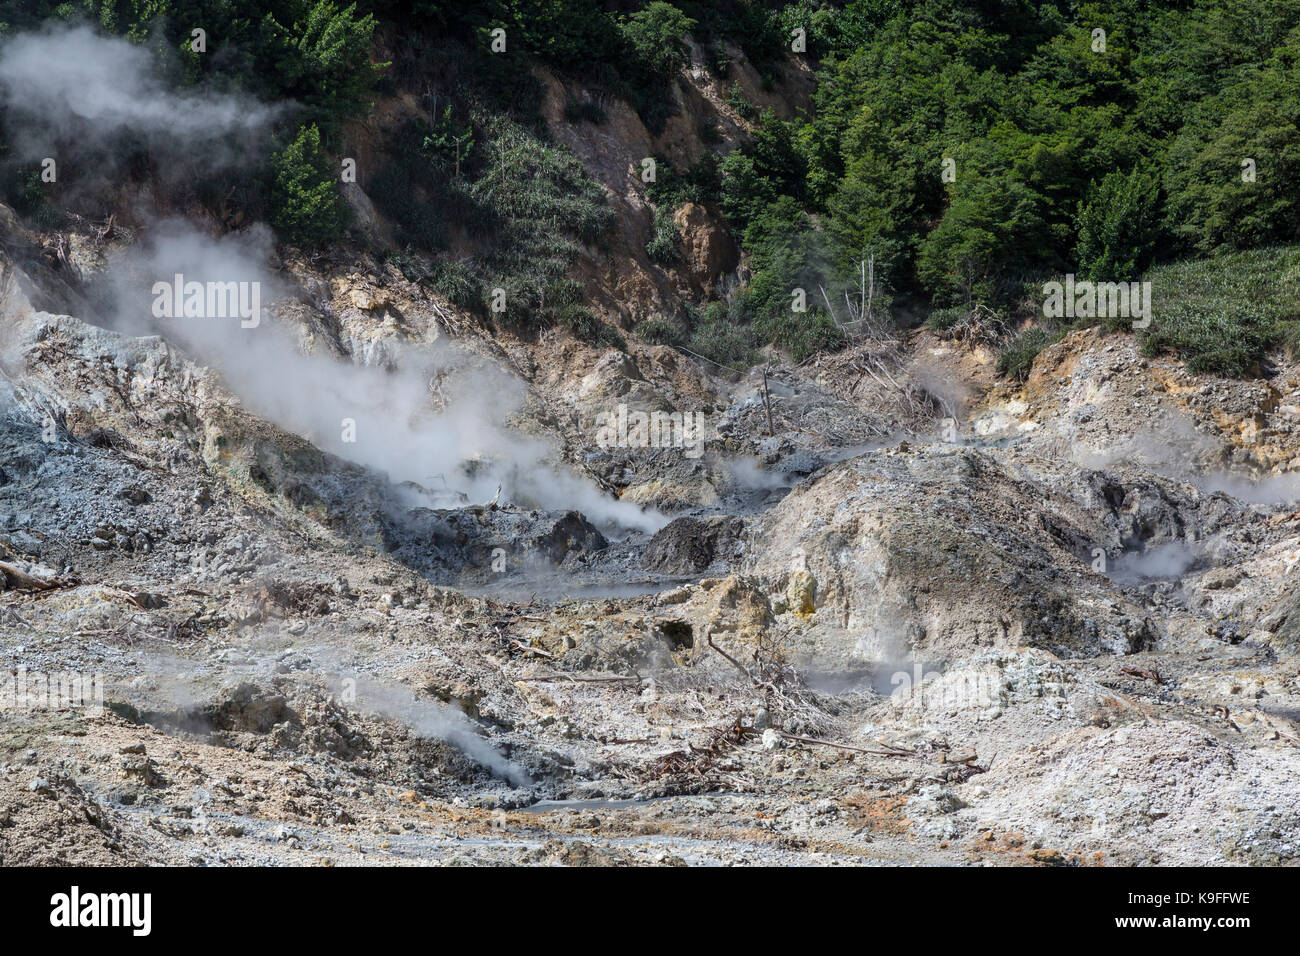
pixel 627 283
pixel 613 144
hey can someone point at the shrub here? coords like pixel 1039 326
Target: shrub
pixel 414 267
pixel 662 247
pixel 658 331
pixel 1117 227
pixel 699 184
pixel 305 202
pixel 737 100
pixel 655 36
pixel 717 59
pixel 457 282
pixel 570 34
pixel 1225 342
pixel 542 205
pixel 585 325
pixel 1017 356
pixel 29 196
pixel 802 334
pixel 941 320
pixel 530 205
pixel 448 145
pixel 977 325
pixel 563 292
pixel 1222 315
pixel 724 341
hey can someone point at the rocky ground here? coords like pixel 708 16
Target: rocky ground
pixel 895 613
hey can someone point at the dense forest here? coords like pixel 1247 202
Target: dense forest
pixel 969 151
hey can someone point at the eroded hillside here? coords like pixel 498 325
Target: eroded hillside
pixel 848 640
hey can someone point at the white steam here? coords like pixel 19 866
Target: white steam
pixel 748 473
pixel 1179 452
pixel 379 417
pixel 69 86
pixel 1160 563
pixel 438 721
pixel 164 680
pixel 1271 490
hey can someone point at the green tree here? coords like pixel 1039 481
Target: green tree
pixel 325 58
pixel 1117 226
pixel 571 34
pixel 1213 202
pixel 655 35
pixel 305 201
pixel 769 167
pixel 449 144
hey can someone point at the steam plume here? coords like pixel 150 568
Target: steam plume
pixel 68 86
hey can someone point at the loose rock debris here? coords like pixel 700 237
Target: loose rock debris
pixel 304 662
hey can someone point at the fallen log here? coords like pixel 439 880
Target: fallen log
pixel 603 679
pixel 531 650
pixel 1146 673
pixel 16 579
pixel 838 746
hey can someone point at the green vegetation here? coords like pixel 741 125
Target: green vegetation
pixel 658 331
pixel 969 150
pixel 699 184
pixel 662 247
pixel 1117 227
pixel 315 53
pixel 671 189
pixel 312 57
pixel 1223 314
pixel 721 338
pixel 655 36
pixel 24 189
pixel 527 204
pixel 305 202
pixel 1061 156
pixel 1019 352
pixel 769 168
pixel 541 208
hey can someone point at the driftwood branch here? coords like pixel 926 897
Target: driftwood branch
pixel 601 679
pixel 735 663
pixel 767 400
pixel 860 750
pixel 531 650
pixel 19 580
